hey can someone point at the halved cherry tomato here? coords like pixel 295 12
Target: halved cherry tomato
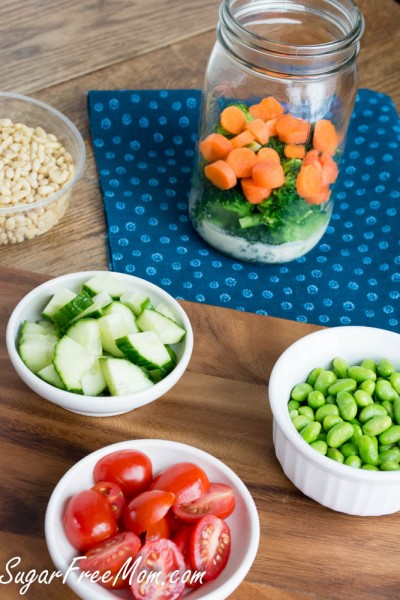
pixel 174 523
pixel 130 469
pixel 165 559
pixel 218 501
pixel 182 540
pixel 88 519
pixel 210 546
pixel 159 530
pixel 109 558
pixel 114 495
pixel 186 480
pixel 146 509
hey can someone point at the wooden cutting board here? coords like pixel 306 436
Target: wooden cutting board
pixel 220 405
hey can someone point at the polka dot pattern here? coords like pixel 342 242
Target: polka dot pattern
pixel 144 144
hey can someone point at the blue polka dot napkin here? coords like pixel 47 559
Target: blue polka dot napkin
pixel 144 144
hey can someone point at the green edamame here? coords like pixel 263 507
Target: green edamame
pixel 311 431
pixel 325 410
pixel 330 421
pixel 342 385
pixel 324 381
pixel 369 467
pixel 301 421
pixel 340 367
pixel 353 461
pixel 362 398
pixel 335 454
pixel 349 449
pixel 320 446
pixel 385 368
pixel 347 406
pixel 384 447
pixel 307 411
pixel 396 410
pixel 395 381
pixel 358 432
pixel 384 391
pixel 391 435
pixel 368 363
pixel 339 434
pixel 293 414
pixel 370 411
pixel 312 377
pixel 377 425
pixel 393 455
pixel 390 465
pixel 360 373
pixel 315 399
pixel 300 392
pixel 293 405
pixel 367 386
pixel 368 451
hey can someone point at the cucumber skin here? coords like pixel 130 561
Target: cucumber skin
pixel 145 322
pixel 70 312
pixel 139 360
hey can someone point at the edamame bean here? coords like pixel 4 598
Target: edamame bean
pixel 384 391
pixel 353 461
pixel 393 454
pixel 330 399
pixel 339 434
pixel 360 373
pixel 315 399
pixel 293 405
pixel 301 421
pixel 362 398
pixel 396 410
pixel 391 435
pixel 312 377
pixel 340 367
pixel 368 363
pixel 330 421
pixel 385 368
pixel 342 385
pixel 347 406
pixel 335 454
pixel 307 411
pixel 357 434
pixel 390 465
pixel 388 406
pixel 300 392
pixel 377 425
pixel 370 411
pixel 367 386
pixel 325 410
pixel 293 414
pixel 321 437
pixel 368 451
pixel 324 381
pixel 311 431
pixel 368 467
pixel 320 446
pixel 395 381
pixel 349 449
pixel 384 447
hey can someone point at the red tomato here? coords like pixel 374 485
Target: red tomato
pixel 182 540
pixel 146 509
pixel 114 495
pixel 210 546
pixel 174 523
pixel 186 480
pixel 165 559
pixel 109 558
pixel 130 469
pixel 218 501
pixel 88 519
pixel 159 530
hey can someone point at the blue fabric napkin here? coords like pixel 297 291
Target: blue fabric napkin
pixel 144 144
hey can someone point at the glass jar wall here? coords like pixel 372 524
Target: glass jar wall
pixel 278 95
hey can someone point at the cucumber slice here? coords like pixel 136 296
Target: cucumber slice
pixel 136 301
pixel 30 328
pixel 167 330
pixel 123 377
pixel 49 374
pixel 46 324
pixel 100 301
pixel 60 298
pixel 125 312
pixel 87 333
pixel 37 353
pixel 93 382
pixel 71 311
pixel 104 283
pixel 146 350
pixel 71 361
pixel 164 310
pixel 113 327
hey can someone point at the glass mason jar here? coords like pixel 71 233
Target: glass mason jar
pixel 282 75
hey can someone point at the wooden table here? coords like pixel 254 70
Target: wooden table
pixel 56 52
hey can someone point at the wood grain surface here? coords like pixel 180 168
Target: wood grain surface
pixel 57 51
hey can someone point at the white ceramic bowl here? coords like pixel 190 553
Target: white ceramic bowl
pixel 30 308
pixel 337 486
pixel 243 523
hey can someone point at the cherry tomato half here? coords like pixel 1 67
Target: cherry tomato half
pixel 182 540
pixel 210 546
pixel 114 495
pixel 159 530
pixel 146 509
pixel 88 519
pixel 186 480
pixel 109 558
pixel 164 558
pixel 130 469
pixel 218 501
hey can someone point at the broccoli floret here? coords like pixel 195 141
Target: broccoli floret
pixel 224 207
pixel 275 143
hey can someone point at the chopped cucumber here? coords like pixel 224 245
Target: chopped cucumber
pixel 45 324
pixel 167 330
pixel 136 301
pixel 37 353
pixel 123 377
pixel 146 350
pixel 164 310
pixel 104 283
pixel 71 311
pixel 87 333
pixel 60 298
pixel 29 328
pixel 125 312
pixel 100 301
pixel 93 382
pixel 71 361
pixel 113 327
pixel 49 374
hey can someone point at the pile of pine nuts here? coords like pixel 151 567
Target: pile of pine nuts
pixel 33 166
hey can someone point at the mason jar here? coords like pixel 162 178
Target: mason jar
pixel 279 90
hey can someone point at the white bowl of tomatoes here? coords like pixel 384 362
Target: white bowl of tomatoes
pixel 147 519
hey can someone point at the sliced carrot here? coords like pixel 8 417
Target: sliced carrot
pixel 322 196
pixel 330 169
pixel 268 108
pixel 268 154
pixel 312 158
pixel 252 192
pixel 233 119
pixel 309 181
pixel 325 138
pixel 215 147
pixel 294 151
pixel 259 129
pixel 271 123
pixel 242 161
pixel 242 139
pixel 292 130
pixel 221 175
pixel 268 174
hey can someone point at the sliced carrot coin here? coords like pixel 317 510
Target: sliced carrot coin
pixel 268 108
pixel 215 147
pixel 252 192
pixel 309 181
pixel 312 158
pixel 268 154
pixel 242 139
pixel 242 161
pixel 325 138
pixel 221 175
pixel 233 119
pixel 292 130
pixel 259 129
pixel 294 151
pixel 330 169
pixel 268 174
pixel 320 198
